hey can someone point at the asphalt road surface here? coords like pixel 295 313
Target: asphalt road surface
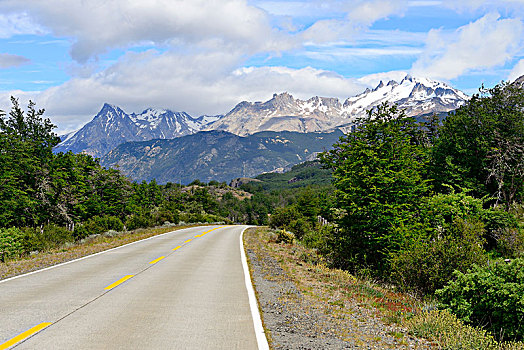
pixel 182 290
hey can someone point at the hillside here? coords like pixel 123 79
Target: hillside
pixel 216 155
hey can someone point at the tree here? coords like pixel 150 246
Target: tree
pixel 26 149
pixel 378 173
pixel 480 146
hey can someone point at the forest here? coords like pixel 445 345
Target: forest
pixel 434 208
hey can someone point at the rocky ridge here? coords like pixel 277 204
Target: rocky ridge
pixel 320 114
pixel 112 127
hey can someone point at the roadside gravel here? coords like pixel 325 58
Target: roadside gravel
pixel 302 310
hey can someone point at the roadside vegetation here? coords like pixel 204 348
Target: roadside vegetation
pixel 435 209
pixel 432 210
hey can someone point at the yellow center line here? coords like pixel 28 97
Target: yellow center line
pixel 213 229
pixel 24 335
pixel 122 280
pixel 177 247
pixel 157 260
pixel 189 240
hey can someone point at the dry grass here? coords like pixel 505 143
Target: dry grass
pixel 359 311
pixel 69 252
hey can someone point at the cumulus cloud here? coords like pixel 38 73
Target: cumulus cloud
pixel 367 12
pixel 198 83
pixel 18 24
pixel 517 71
pixel 485 43
pixel 8 60
pixel 98 25
pixel 472 5
pixel 374 79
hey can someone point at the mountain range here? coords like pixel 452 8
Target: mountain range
pixel 320 114
pixel 112 126
pixel 216 155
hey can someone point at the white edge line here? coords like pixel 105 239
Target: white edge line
pixel 89 256
pixel 253 304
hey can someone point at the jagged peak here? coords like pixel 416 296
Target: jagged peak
pixel 283 96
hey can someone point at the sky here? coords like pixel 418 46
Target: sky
pixel 205 56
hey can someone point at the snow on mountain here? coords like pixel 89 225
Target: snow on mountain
pixel 285 113
pixel 416 95
pixel 112 126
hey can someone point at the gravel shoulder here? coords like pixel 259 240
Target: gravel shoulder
pixel 305 305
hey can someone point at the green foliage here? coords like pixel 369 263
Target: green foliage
pixel 491 297
pixel 450 333
pixel 139 220
pixel 481 145
pixel 283 236
pixel 98 225
pixel 46 237
pixel 378 174
pixel 425 265
pixel 11 243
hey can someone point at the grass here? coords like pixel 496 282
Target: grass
pixel 71 251
pixel 448 332
pixel 343 295
pixel 357 310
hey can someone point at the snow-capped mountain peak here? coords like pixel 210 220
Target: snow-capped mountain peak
pixel 112 126
pixel 283 112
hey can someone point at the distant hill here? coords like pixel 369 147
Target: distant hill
pixel 216 155
pixel 309 173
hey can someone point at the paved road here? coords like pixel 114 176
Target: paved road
pixel 195 297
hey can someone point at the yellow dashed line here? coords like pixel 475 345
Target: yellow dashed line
pixel 177 247
pixel 157 260
pixel 189 240
pixel 24 335
pixel 122 280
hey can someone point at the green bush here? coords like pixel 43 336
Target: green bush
pixel 11 243
pixel 282 217
pixel 135 221
pixel 491 297
pixel 98 225
pixel 448 332
pixel 284 236
pixel 48 237
pixel 300 227
pixel 427 264
pixel 162 215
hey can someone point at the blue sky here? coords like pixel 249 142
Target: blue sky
pixel 204 56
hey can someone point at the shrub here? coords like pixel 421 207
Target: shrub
pixel 427 264
pixel 50 236
pixel 135 221
pixel 449 332
pixel 284 236
pixel 491 297
pixel 282 217
pixel 162 215
pixel 300 227
pixel 97 225
pixel 11 243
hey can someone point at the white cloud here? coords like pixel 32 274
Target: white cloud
pixel 374 79
pixel 8 60
pixel 485 43
pixel 367 12
pixel 98 25
pixel 17 24
pixel 487 5
pixel 517 71
pixel 198 83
